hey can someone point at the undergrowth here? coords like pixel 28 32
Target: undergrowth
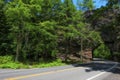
pixel 8 62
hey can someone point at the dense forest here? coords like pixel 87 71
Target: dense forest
pixel 45 30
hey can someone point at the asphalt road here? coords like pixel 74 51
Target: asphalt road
pixel 97 70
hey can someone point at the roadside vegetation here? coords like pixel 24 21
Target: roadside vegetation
pixel 45 33
pixel 102 52
pixel 8 62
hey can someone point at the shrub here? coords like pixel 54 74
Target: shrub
pixel 57 62
pixel 13 65
pixel 102 52
pixel 6 59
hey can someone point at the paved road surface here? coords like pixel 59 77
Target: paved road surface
pixel 97 70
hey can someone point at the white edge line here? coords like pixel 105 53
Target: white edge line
pixel 102 72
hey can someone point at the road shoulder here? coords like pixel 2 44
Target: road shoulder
pixel 115 74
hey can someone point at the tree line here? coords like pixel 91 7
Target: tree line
pixel 31 30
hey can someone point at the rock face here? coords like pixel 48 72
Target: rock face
pixel 106 21
pixel 87 55
pixel 76 57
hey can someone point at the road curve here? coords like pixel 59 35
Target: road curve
pixel 97 70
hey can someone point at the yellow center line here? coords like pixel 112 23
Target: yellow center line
pixel 39 74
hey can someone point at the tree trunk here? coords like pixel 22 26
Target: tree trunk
pixel 81 53
pixel 19 38
pixel 17 51
pixel 67 49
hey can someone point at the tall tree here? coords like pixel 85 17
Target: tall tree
pixel 69 9
pixel 18 15
pixel 85 5
pixel 4 31
pixel 46 10
pixel 38 27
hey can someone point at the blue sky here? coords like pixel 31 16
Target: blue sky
pixel 98 3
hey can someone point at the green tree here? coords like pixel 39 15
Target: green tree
pixel 4 31
pixel 38 28
pixel 46 10
pixel 18 16
pixel 102 52
pixel 68 10
pixel 85 5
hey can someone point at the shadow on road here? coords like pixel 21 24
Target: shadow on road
pixel 100 67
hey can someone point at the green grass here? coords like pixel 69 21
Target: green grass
pixel 13 65
pixel 57 62
pixel 7 62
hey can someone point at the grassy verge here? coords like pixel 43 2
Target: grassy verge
pixel 7 62
pixel 57 62
pixel 13 65
pixel 18 65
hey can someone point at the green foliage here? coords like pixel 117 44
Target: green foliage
pixel 86 4
pixel 57 62
pixel 13 65
pixel 18 65
pixel 18 14
pixel 44 39
pixel 113 3
pixel 102 52
pixel 8 62
pixel 4 31
pixel 36 31
pixel 94 38
pixel 5 59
